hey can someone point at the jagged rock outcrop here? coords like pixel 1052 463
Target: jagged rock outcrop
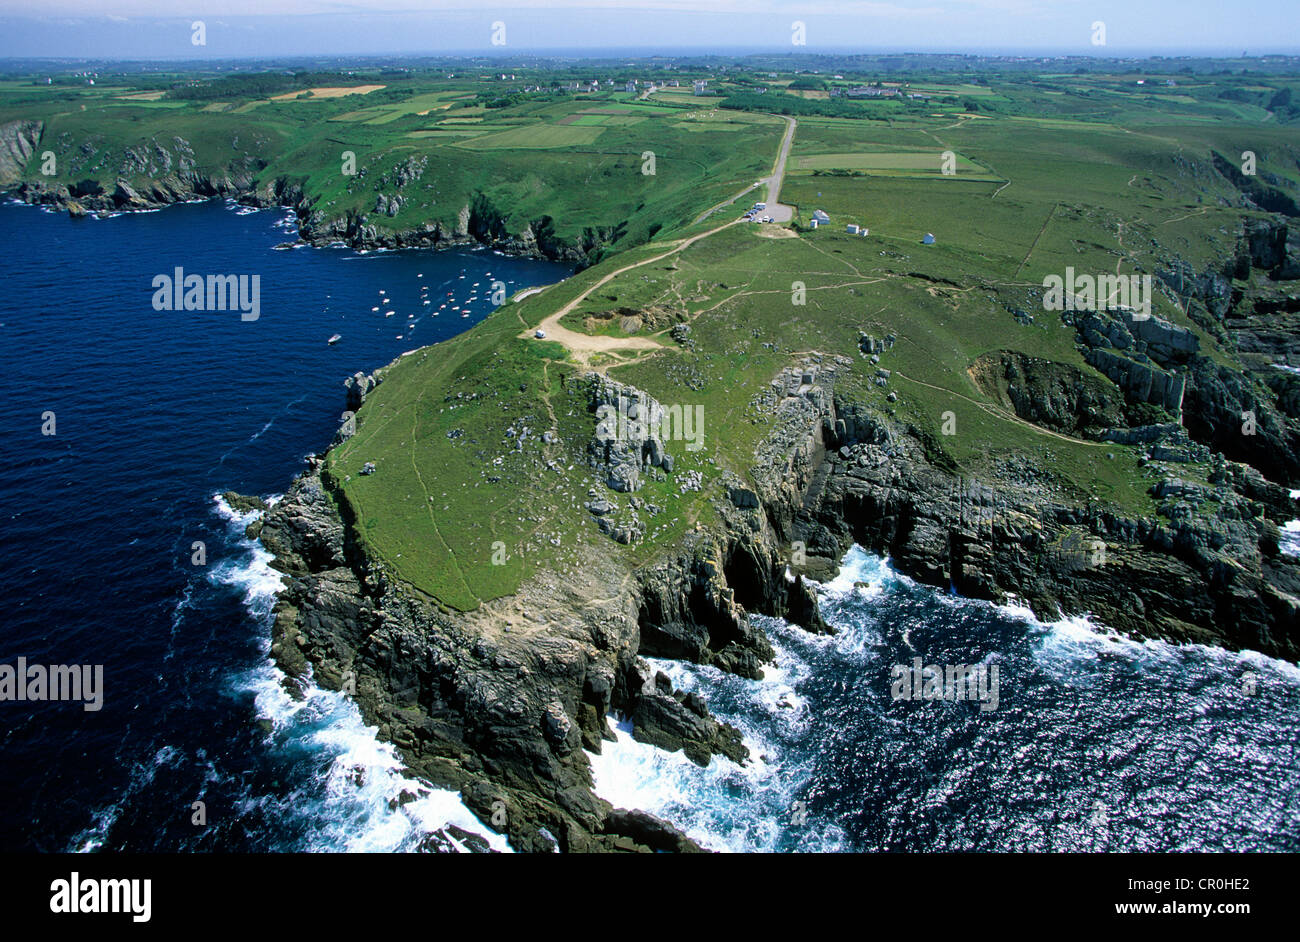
pixel 503 703
pixel 1178 580
pixel 359 385
pixel 159 173
pixel 1140 378
pixel 497 707
pixel 1257 192
pixel 1054 395
pixel 1225 410
pixel 18 142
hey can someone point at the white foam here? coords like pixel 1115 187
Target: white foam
pixel 1082 636
pixel 365 778
pixel 732 808
pixel 860 566
pixel 1289 542
pixel 723 807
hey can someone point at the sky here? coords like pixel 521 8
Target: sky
pixel 164 29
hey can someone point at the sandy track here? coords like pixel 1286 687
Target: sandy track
pixel 583 345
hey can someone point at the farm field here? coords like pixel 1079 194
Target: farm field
pixel 1093 172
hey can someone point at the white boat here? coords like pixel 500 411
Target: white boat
pixel 374 309
pixel 335 339
pixel 389 313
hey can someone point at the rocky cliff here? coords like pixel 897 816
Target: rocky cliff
pixel 167 172
pixel 504 702
pixel 18 141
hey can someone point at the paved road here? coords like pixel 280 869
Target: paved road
pixel 775 208
pixel 778 211
pixel 583 345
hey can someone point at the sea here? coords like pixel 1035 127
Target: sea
pixel 154 415
pixel 1096 742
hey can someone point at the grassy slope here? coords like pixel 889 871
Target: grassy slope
pixel 1059 171
pixel 521 157
pixel 735 289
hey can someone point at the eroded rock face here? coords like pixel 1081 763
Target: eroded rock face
pixel 1053 395
pixel 18 141
pixel 503 703
pixel 359 385
pixel 1011 533
pixel 1161 364
pixel 165 171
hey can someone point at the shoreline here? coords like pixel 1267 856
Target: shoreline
pixel 692 587
pixel 354 232
pixel 877 474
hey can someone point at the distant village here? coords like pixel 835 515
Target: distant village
pixel 836 86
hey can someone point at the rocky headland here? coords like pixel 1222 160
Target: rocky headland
pixel 167 172
pixel 504 702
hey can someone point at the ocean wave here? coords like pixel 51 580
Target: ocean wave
pixel 1082 636
pixel 364 800
pixel 822 716
pixel 367 800
pixel 724 806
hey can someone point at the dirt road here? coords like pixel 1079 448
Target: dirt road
pixel 582 346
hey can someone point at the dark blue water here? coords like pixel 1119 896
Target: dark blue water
pixel 156 413
pixel 1097 742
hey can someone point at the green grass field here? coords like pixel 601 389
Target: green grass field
pixel 1091 172
pixel 538 136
